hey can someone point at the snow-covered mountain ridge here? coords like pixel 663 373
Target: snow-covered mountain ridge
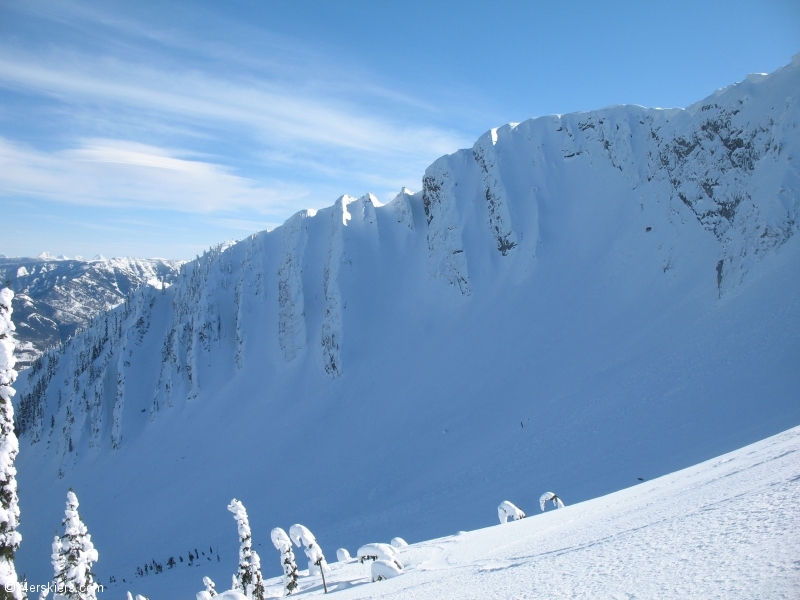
pixel 56 297
pixel 574 302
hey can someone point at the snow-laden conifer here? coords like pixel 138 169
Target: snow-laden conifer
pixel 384 569
pixel 73 556
pixel 380 551
pixel 507 511
pixel 550 497
pixel 248 578
pixel 342 555
pixel 209 586
pixel 258 588
pixel 9 447
pixel 209 592
pixel 283 544
pixel 301 536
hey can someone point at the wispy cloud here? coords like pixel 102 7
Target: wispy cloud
pixel 275 113
pixel 109 107
pixel 110 172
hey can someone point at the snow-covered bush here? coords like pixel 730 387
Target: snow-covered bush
pixel 283 544
pixel 342 555
pixel 248 578
pixel 399 542
pixel 73 556
pixel 9 447
pixel 380 552
pixel 550 497
pixel 384 569
pixel 507 511
pixel 301 536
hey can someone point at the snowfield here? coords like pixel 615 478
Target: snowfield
pixel 726 528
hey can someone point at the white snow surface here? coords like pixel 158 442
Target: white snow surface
pixel 726 528
pixel 583 300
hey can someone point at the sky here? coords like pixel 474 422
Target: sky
pixel 159 129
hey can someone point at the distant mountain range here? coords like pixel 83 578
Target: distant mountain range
pixel 575 303
pixel 55 297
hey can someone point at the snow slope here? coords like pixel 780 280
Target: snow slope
pixel 56 297
pixel 726 528
pixel 575 302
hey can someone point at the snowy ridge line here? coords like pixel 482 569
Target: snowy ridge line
pixel 724 160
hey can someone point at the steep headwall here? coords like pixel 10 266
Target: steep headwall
pixel 579 299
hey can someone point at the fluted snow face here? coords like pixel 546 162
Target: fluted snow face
pixel 727 160
pixel 495 193
pixel 401 205
pixel 534 247
pixel 331 337
pixel 291 303
pixel 446 248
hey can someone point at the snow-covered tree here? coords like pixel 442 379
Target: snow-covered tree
pixel 301 536
pixel 342 555
pixel 248 578
pixel 73 556
pixel 283 544
pixel 9 447
pixel 384 569
pixel 258 588
pixel 209 592
pixel 550 497
pixel 507 511
pixel 380 552
pixel 399 542
pixel 209 586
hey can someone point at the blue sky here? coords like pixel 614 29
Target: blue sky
pixel 161 128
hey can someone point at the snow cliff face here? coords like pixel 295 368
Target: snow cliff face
pixel 575 301
pixel 57 297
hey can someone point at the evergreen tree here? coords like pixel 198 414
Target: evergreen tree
pixel 248 578
pixel 209 586
pixel 284 545
pixel 301 536
pixel 258 589
pixel 73 556
pixel 550 497
pixel 9 447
